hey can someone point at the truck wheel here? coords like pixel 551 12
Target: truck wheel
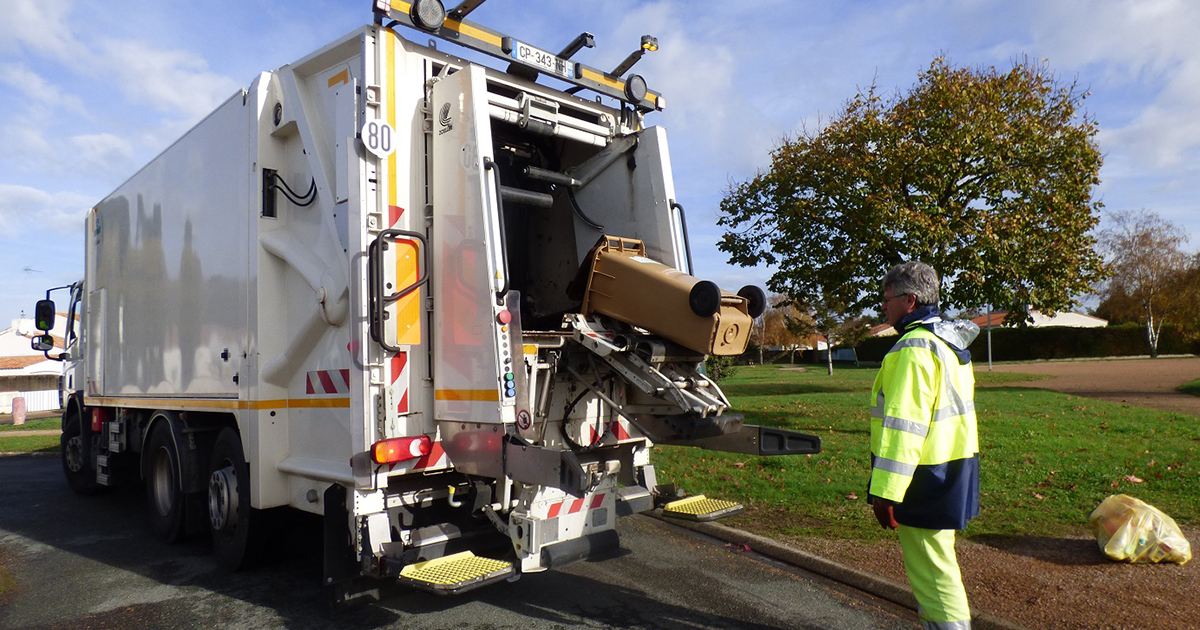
pixel 233 521
pixel 164 497
pixel 77 449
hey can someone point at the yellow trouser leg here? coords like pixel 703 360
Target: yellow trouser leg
pixel 936 581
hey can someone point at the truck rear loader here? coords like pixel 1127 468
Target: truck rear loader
pixel 446 307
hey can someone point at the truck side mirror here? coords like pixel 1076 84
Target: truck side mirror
pixel 43 315
pixel 43 343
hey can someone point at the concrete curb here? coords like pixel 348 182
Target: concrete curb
pixel 879 586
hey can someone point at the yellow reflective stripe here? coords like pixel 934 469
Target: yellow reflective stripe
pixel 219 404
pixel 485 395
pixel 455 25
pixel 471 31
pixel 341 77
pixel 587 73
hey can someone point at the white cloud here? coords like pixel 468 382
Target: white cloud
pixel 1141 53
pixel 37 89
pixel 39 26
pixel 102 152
pixel 174 82
pixel 24 210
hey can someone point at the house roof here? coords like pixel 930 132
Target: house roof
pixel 882 330
pixel 17 363
pixel 991 319
pixel 1040 320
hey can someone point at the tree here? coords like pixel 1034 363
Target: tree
pixel 794 326
pixel 1148 269
pixel 1187 291
pixel 839 324
pixel 783 326
pixel 985 175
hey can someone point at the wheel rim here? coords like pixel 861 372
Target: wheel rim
pixel 163 482
pixel 74 454
pixel 223 499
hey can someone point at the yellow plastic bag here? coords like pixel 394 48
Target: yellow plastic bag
pixel 1131 530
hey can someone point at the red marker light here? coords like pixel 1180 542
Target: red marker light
pixel 504 317
pixel 399 449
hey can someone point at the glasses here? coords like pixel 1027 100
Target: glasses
pixel 889 298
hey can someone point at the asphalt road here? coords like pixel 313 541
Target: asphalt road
pixel 88 563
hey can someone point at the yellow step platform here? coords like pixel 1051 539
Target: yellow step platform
pixel 455 573
pixel 701 508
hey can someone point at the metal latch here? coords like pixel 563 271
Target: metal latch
pixel 537 115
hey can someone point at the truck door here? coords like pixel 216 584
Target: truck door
pixel 471 356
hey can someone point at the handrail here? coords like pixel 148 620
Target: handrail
pixel 379 300
pixel 488 164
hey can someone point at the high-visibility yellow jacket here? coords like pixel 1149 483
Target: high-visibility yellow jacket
pixel 924 440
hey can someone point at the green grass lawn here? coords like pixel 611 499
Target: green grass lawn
pixel 29 443
pixel 1192 387
pixel 34 425
pixel 1048 459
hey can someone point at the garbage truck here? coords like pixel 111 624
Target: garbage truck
pixel 446 305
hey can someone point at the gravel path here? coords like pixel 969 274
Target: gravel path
pixel 1136 382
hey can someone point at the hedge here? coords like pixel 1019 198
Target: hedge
pixel 1056 342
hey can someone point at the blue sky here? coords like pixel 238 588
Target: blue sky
pixel 91 91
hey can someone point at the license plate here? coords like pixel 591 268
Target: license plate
pixel 542 60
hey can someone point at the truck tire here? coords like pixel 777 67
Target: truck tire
pixel 77 448
pixel 235 525
pixel 164 497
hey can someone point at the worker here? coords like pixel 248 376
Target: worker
pixel 924 443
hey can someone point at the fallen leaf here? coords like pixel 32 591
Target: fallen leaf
pixel 739 464
pixel 1133 479
pixel 1038 496
pixel 852 496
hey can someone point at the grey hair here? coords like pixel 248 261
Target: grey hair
pixel 916 278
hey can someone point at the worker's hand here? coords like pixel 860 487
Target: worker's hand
pixel 884 513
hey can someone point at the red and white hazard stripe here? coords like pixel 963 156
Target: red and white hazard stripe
pixel 618 429
pixel 328 382
pixel 399 381
pixel 574 506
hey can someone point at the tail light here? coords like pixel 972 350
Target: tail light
pixel 395 450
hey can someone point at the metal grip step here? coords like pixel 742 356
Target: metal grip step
pixel 455 573
pixel 701 508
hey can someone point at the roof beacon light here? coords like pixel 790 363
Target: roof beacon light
pixel 428 14
pixel 395 450
pixel 649 44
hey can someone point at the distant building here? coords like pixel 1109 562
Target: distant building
pixel 1041 320
pixel 995 320
pixel 27 373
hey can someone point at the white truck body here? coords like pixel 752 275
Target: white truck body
pixel 400 298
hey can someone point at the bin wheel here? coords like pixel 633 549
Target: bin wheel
pixel 705 298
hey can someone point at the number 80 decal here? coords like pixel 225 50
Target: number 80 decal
pixel 379 138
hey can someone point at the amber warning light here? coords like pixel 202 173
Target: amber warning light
pixel 399 449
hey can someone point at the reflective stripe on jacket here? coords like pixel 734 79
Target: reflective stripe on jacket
pixel 924 441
